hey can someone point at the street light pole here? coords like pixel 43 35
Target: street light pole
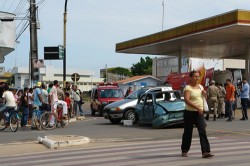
pixel 64 42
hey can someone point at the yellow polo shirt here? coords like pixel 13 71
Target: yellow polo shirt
pixel 195 97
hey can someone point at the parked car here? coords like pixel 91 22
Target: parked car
pixel 160 109
pixel 125 109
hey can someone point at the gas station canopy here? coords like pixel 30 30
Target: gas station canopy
pixel 222 36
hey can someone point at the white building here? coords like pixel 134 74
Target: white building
pixel 49 74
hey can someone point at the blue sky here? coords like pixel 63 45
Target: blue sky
pixel 95 26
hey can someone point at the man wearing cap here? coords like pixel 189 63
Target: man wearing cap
pixel 37 102
pixel 213 96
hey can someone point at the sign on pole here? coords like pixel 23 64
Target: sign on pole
pixel 75 77
pixel 53 53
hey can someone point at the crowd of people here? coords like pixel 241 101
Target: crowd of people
pixel 222 100
pixel 42 97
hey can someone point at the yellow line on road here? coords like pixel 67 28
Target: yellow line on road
pixel 232 132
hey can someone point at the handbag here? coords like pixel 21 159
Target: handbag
pixel 205 105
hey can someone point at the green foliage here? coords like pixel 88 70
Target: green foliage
pixel 120 71
pixel 144 67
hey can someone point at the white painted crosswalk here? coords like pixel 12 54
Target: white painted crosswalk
pixel 228 151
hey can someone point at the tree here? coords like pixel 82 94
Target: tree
pixel 120 71
pixel 144 67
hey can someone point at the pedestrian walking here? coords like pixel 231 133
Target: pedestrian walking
pixel 244 96
pixel 194 115
pixel 221 101
pixel 229 99
pixel 213 96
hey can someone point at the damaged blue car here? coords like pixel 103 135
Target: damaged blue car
pixel 160 109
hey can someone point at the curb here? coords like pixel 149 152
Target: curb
pixel 57 141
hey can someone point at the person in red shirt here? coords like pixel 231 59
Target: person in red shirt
pixel 67 99
pixel 229 99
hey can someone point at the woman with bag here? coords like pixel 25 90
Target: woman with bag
pixel 194 115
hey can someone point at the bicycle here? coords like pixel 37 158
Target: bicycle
pixel 50 120
pixel 9 118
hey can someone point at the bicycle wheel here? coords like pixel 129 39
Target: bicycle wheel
pixel 3 121
pixel 14 123
pixel 48 120
pixel 64 121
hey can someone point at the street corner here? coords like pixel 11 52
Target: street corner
pixel 61 141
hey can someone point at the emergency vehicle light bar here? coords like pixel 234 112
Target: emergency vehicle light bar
pixel 108 84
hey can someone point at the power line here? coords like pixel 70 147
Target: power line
pixel 11 5
pixel 23 30
pixel 20 7
pixel 4 4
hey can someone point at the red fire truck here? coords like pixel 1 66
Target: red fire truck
pixel 179 80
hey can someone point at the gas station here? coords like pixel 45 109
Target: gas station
pixel 224 36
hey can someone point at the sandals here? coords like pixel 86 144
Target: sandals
pixel 184 155
pixel 207 155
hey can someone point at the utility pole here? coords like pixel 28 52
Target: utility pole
pixel 64 42
pixel 163 13
pixel 33 39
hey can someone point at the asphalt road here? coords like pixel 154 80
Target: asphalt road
pixel 100 130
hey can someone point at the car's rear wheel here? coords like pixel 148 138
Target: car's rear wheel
pixel 130 115
pixel 115 121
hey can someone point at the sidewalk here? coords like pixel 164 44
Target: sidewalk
pixel 49 143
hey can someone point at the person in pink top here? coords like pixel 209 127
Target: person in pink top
pixel 54 99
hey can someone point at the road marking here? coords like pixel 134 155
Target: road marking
pixel 147 153
pixel 231 132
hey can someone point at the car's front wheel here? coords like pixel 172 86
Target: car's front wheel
pixel 130 115
pixel 115 121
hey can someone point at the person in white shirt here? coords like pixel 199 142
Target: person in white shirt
pixel 30 103
pixel 9 99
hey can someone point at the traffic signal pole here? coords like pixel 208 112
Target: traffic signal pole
pixel 64 43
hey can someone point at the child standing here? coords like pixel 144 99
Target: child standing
pixel 67 99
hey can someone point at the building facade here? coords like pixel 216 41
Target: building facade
pixel 137 82
pixel 49 74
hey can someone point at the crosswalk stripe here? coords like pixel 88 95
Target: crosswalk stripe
pixel 144 153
